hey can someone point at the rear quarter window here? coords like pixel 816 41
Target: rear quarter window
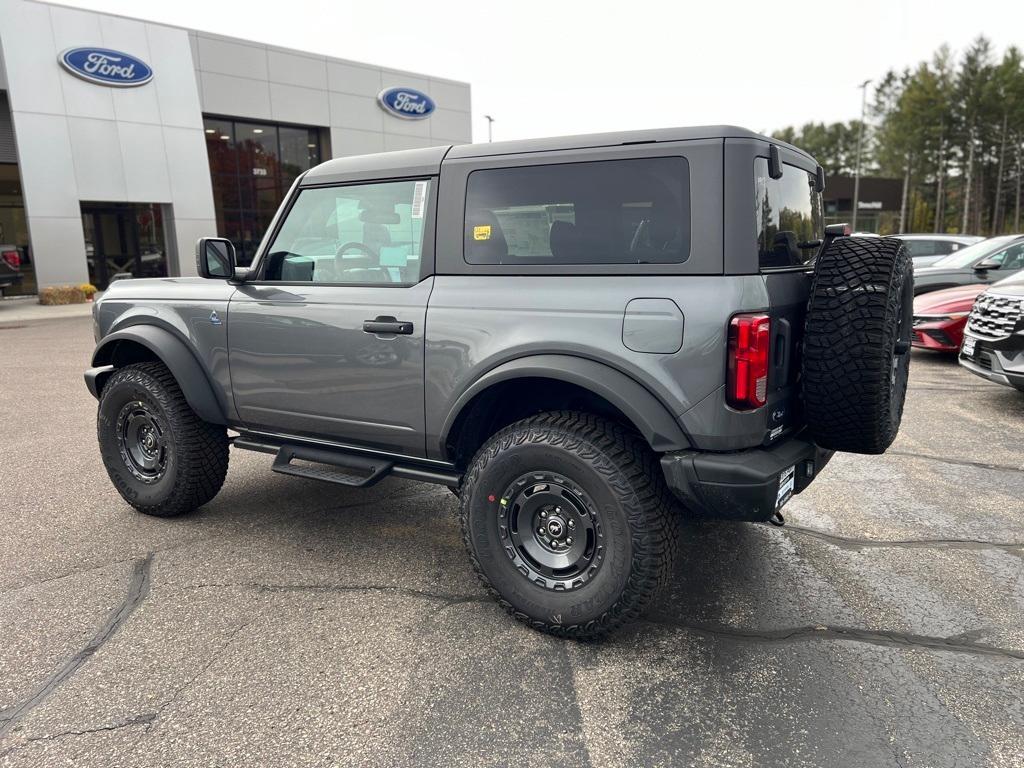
pixel 788 216
pixel 633 211
pixel 930 247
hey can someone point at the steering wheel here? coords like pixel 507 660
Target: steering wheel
pixel 353 245
pixel 368 262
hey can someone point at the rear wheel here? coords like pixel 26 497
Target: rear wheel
pixel 856 356
pixel 569 523
pixel 162 458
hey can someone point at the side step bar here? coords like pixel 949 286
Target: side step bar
pixel 336 465
pixel 355 471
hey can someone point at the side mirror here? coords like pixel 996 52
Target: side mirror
pixel 986 265
pixel 215 258
pixel 837 230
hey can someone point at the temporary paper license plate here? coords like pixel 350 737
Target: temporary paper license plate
pixel 969 346
pixel 786 480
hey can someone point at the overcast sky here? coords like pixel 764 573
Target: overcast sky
pixel 550 68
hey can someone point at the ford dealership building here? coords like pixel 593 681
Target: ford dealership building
pixel 123 141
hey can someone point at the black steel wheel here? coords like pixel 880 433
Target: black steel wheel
pixel 143 441
pixel 569 523
pixel 554 530
pixel 162 458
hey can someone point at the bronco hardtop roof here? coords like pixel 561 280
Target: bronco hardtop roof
pixel 427 161
pixel 612 139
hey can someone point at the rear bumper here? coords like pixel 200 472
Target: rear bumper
pixel 743 485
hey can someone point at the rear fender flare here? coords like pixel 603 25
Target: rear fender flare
pixel 180 361
pixel 651 418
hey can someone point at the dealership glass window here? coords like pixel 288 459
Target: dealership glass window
pixel 788 216
pixel 14 228
pixel 359 233
pixel 252 166
pixel 608 212
pixel 125 239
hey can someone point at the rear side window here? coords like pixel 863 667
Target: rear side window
pixel 930 247
pixel 787 213
pixel 609 212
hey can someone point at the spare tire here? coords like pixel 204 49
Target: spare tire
pixel 856 347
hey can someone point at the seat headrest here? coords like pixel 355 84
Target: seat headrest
pixel 564 241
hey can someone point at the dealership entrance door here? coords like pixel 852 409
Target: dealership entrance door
pixel 123 239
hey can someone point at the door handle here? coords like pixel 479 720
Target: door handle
pixel 387 324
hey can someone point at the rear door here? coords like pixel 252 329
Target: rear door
pixel 328 341
pixel 788 228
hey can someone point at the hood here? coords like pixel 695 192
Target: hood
pixel 959 299
pixel 935 271
pixel 1013 287
pixel 167 288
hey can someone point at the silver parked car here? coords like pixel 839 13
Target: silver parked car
pixel 925 250
pixel 987 261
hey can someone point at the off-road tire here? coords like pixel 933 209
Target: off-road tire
pixel 196 451
pixel 856 347
pixel 621 476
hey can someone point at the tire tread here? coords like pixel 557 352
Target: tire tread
pixel 632 469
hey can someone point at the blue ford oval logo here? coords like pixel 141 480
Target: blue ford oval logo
pixel 106 67
pixel 407 103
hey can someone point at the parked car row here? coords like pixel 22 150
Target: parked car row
pixel 983 323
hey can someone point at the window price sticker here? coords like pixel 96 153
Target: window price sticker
pixel 419 199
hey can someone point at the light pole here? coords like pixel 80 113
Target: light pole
pixel 490 122
pixel 860 142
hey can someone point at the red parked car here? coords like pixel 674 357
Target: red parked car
pixel 940 317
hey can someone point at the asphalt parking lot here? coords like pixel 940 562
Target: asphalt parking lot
pixel 296 623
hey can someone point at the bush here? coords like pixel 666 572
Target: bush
pixel 88 289
pixel 63 294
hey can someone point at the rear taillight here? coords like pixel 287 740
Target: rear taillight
pixel 749 338
pixel 12 258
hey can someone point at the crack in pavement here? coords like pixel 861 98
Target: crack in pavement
pixel 854 543
pixel 446 599
pixel 939 388
pixel 890 639
pixel 138 588
pixel 100 566
pixel 956 462
pixel 209 663
pixel 144 719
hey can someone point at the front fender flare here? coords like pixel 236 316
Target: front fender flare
pixel 176 355
pixel 653 420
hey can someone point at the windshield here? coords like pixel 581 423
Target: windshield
pixel 972 253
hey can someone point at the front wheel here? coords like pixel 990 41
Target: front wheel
pixel 162 458
pixel 569 523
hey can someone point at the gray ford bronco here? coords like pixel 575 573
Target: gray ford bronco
pixel 585 338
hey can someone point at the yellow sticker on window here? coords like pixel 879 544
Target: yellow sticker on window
pixel 482 232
